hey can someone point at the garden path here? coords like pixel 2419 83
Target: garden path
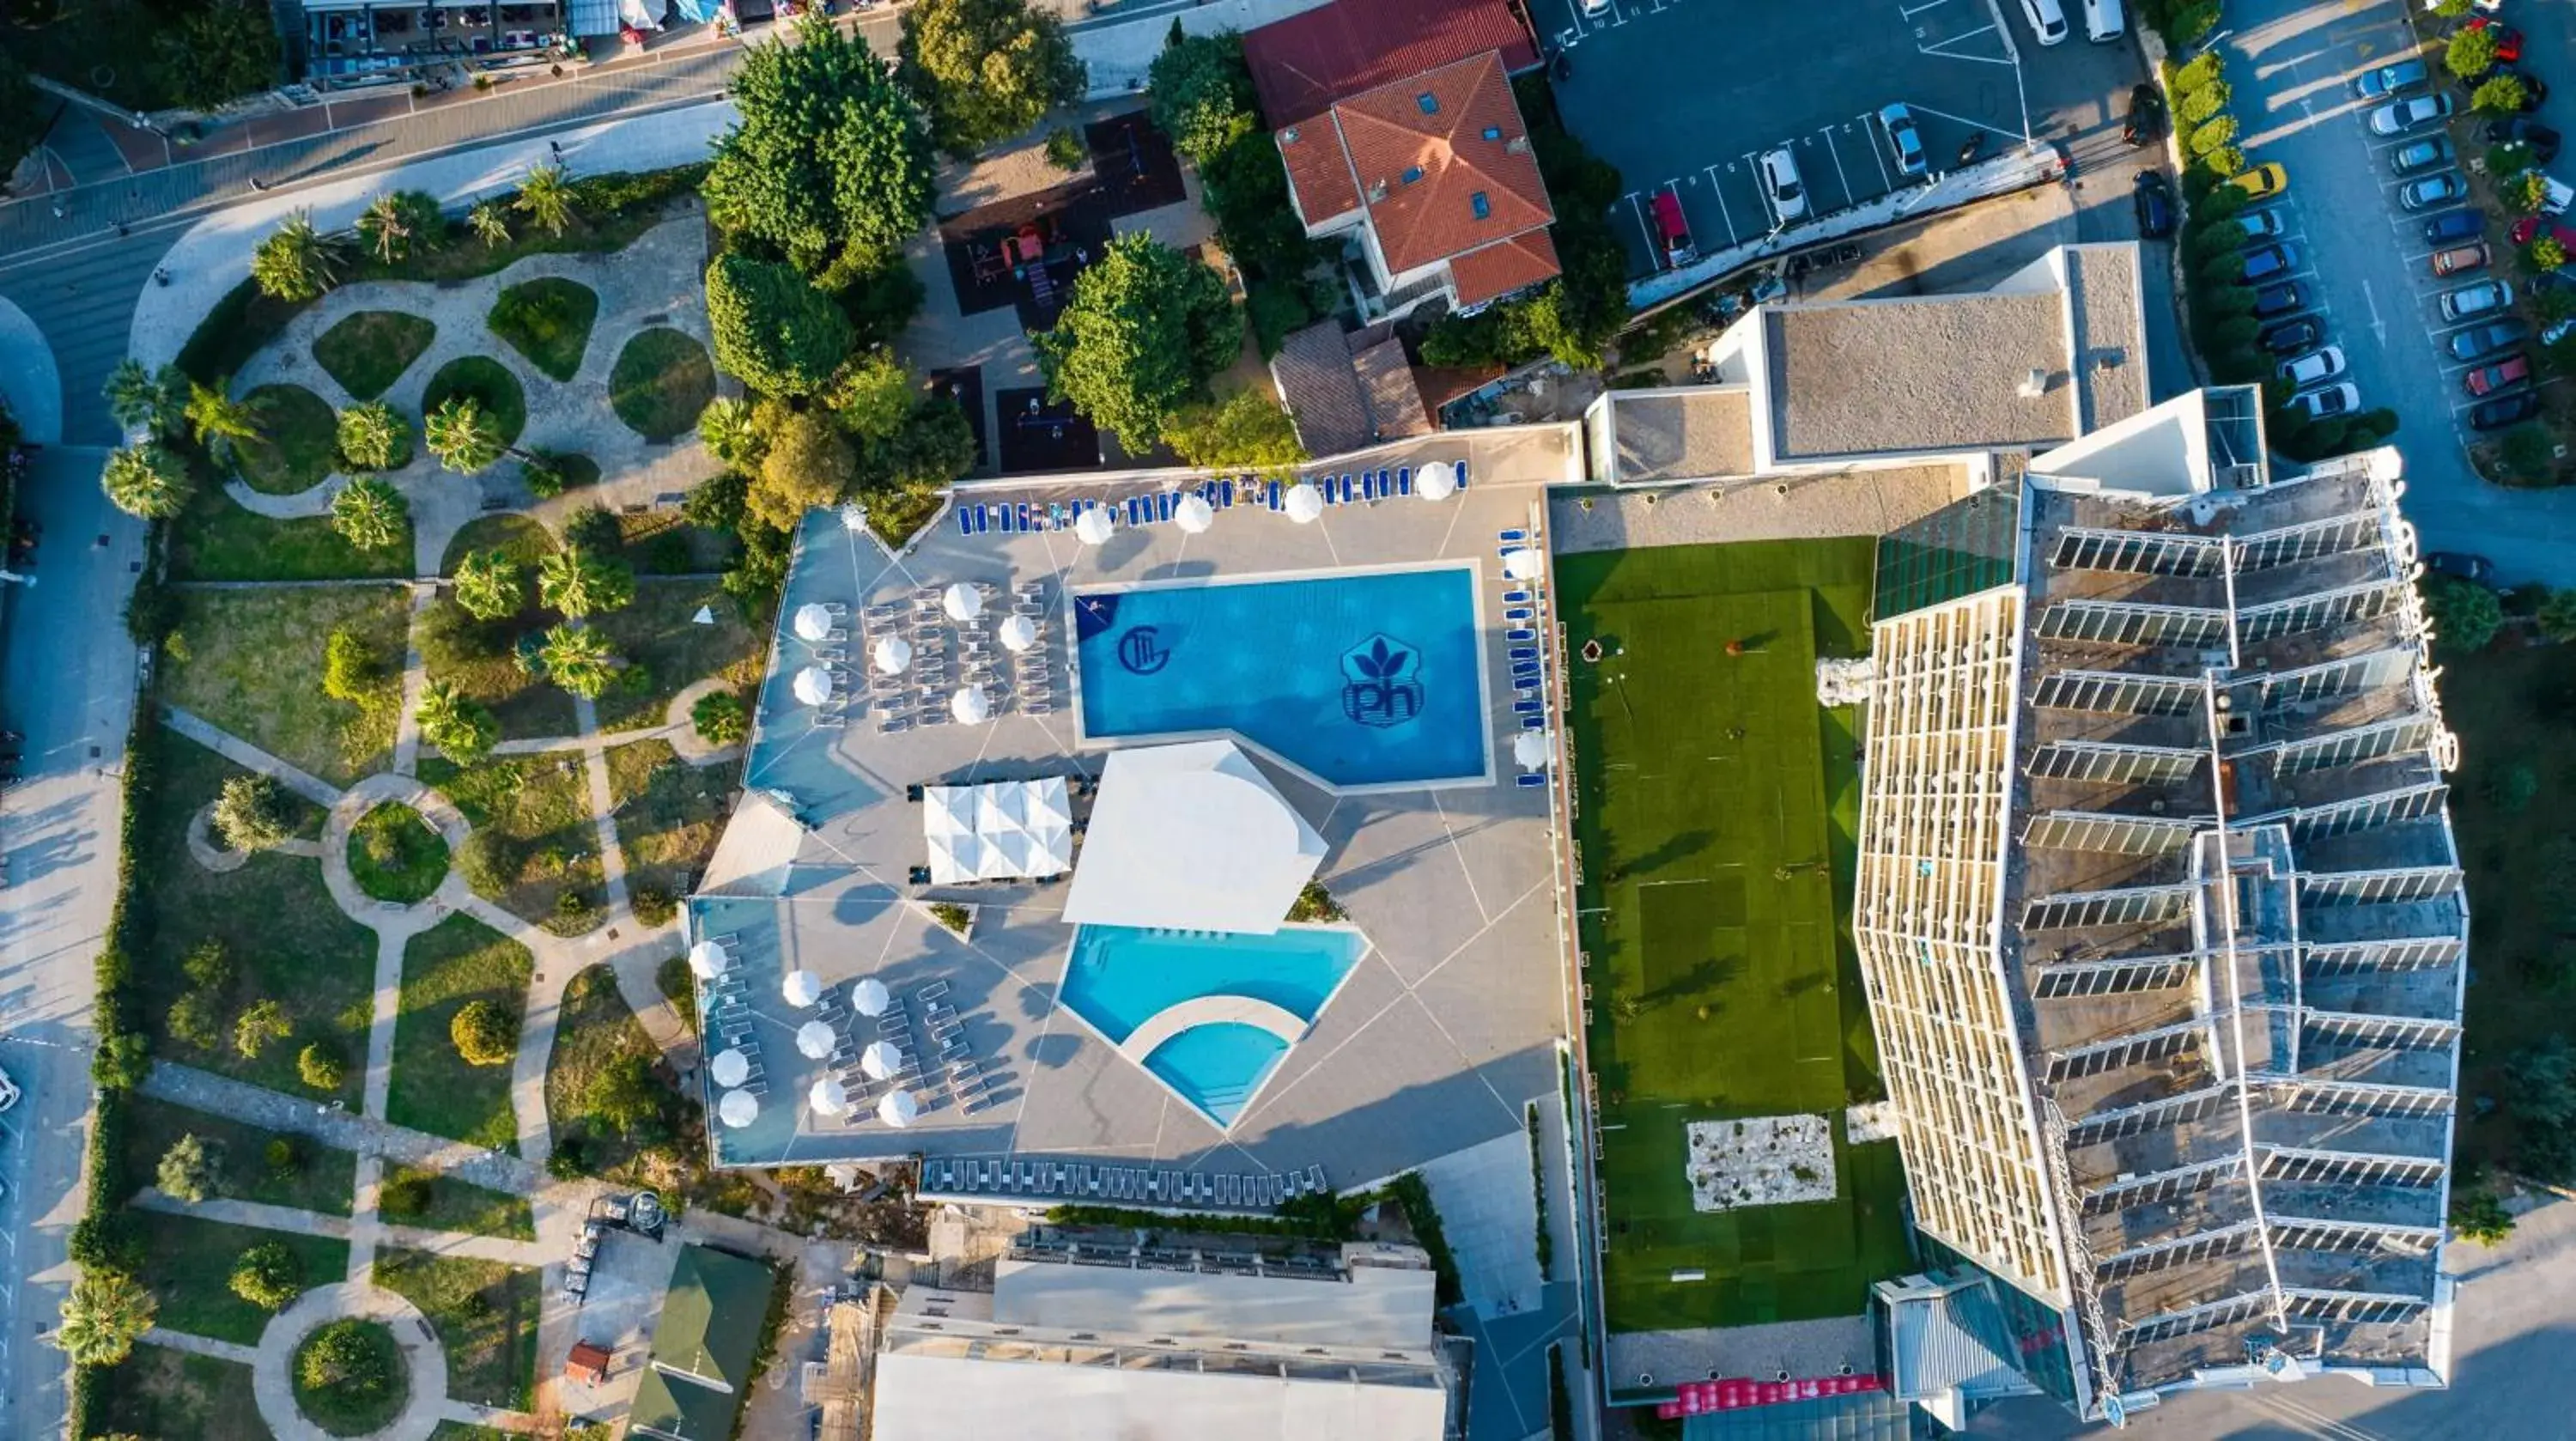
pixel 272 1369
pixel 317 1223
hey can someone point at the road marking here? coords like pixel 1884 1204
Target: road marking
pixel 1946 115
pixel 1836 151
pixel 1874 148
pixel 1723 213
pixel 1643 228
pixel 1910 11
pixel 2378 327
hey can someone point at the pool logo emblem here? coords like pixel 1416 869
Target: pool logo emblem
pixel 1142 652
pixel 1384 682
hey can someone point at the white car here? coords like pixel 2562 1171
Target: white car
pixel 2047 20
pixel 1781 185
pixel 2328 401
pixel 2321 364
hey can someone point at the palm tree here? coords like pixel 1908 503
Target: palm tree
pixel 145 480
pixel 578 583
pixel 386 227
pixel 546 197
pixel 726 426
pixel 138 399
pixel 103 1316
pixel 487 585
pixel 577 658
pixel 373 436
pixel 463 729
pixel 220 422
pixel 295 262
pixel 464 439
pixel 369 514
pixel 490 221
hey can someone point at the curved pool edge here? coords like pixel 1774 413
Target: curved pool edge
pixel 1213 1009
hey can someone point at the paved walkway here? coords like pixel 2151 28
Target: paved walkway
pixel 249 757
pixel 504 1249
pixel 271 1371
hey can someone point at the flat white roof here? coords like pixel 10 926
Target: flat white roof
pixel 1191 837
pixel 1381 1307
pixel 943 1398
pixel 756 851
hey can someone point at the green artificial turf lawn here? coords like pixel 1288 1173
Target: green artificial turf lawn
pixel 547 320
pixel 1718 812
pixel 434 1089
pixel 367 352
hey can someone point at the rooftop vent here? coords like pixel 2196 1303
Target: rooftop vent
pixel 1288 136
pixel 1518 145
pixel 1412 173
pixel 2034 384
pixel 1483 207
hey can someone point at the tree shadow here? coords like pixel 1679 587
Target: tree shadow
pixel 1700 979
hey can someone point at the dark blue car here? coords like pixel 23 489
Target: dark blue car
pixel 2451 225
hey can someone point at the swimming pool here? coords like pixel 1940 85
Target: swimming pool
pixel 1364 679
pixel 1207 1014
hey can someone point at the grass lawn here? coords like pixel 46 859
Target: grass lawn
pixel 662 542
pixel 459 1431
pixel 394 855
pixel 594 1031
pixel 188 1265
pixel 479 658
pixel 458 960
pixel 1719 805
pixel 481 378
pixel 254 667
pixel 456 1205
pixel 287 941
pixel 544 847
pixel 161 1392
pixel 486 1315
pixel 299 440
pixel 680 988
pixel 321 1178
pixel 666 652
pixel 341 1407
pixel 661 381
pixel 368 351
pixel 547 320
pixel 668 814
pixel 522 538
pixel 215 539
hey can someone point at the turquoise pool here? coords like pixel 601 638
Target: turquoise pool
pixel 1121 978
pixel 1369 678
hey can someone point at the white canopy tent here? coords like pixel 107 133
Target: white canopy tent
pixel 898 1108
pixel 813 622
pixel 738 1109
pixel 1008 830
pixel 1162 812
pixel 813 685
pixel 962 601
pixel 730 1067
pixel 892 654
pixel 814 1040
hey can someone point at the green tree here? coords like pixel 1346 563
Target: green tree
pixel 463 729
pixel 268 1276
pixel 873 396
pixel 935 446
pixel 809 462
pixel 145 480
pixel 1146 327
pixel 721 718
pixel 369 514
pixel 2540 1097
pixel 717 502
pixel 143 402
pixel 213 53
pixel 250 814
pixel 373 436
pixel 581 583
pixel 985 69
pixel 220 423
pixel 207 963
pixel 2499 95
pixel 773 330
pixel 22 115
pixel 2524 193
pixel 490 222
pixel 1246 429
pixel 2545 254
pixel 2557 616
pixel 350 671
pixel 186 1171
pixel 725 425
pixel 545 197
pixel 487 585
pixel 577 658
pixel 465 439
pixel 2465 615
pixel 265 1021
pixel 295 262
pixel 320 1066
pixel 104 1314
pixel 197 1018
pixel 829 153
pixel 623 1097
pixel 1201 95
pixel 2478 1215
pixel 2470 53
pixel 385 227
pixel 484 1033
pixel 2204 103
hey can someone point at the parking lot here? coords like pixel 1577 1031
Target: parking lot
pixel 1686 94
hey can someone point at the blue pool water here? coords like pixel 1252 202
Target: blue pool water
pixel 1120 977
pixel 1364 679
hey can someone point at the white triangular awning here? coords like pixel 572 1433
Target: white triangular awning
pixel 756 851
pixel 1162 814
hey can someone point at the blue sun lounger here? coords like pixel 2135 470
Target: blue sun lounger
pixel 1163 505
pixel 1527 707
pixel 1517 635
pixel 1028 518
pixel 1462 472
pixel 1004 512
pixel 1272 499
pixel 1519 613
pixel 1226 489
pixel 1516 597
pixel 1131 511
pixel 964 525
pixel 1511 537
pixel 1404 481
pixel 1525 667
pixel 1325 485
pixel 1534 778
pixel 1346 489
pixel 1533 722
pixel 1368 485
pixel 1524 652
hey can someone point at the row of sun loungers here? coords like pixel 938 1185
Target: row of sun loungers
pixel 1121 1185
pixel 1528 661
pixel 1363 487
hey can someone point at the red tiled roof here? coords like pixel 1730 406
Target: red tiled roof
pixel 1321 389
pixel 1319 170
pixel 1302 64
pixel 1426 148
pixel 1500 269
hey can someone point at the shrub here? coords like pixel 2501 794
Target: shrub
pixel 1064 149
pixel 320 1065
pixel 2214 135
pixel 406 1193
pixel 955 917
pixel 2202 104
pixel 2470 53
pixel 2220 205
pixel 484 1033
pixel 2464 615
pixel 197 1018
pixel 1315 903
pixel 284 1154
pixel 350 672
pixel 186 1171
pixel 543 473
pixel 254 1029
pixel 2224 163
pixel 2529 453
pixel 346 1357
pixel 721 718
pixel 2478 1215
pixel 2502 95
pixel 2200 72
pixel 653 906
pixel 250 812
pixel 2193 24
pixel 2524 193
pixel 268 1276
pixel 2546 254
pixel 369 514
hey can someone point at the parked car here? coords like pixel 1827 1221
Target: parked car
pixel 1672 232
pixel 2399 116
pixel 2487 339
pixel 2505 374
pixel 2534 89
pixel 1781 186
pixel 2508 40
pixel 2263 181
pixel 2289 337
pixel 2517 130
pixel 2460 565
pixel 1904 140
pixel 2433 190
pixel 2047 20
pixel 2392 79
pixel 2453 225
pixel 2471 301
pixel 2321 364
pixel 2268 261
pixel 2329 401
pixel 2261 224
pixel 2154 199
pixel 2461 259
pixel 2145 124
pixel 2531 227
pixel 2504 410
pixel 2279 299
pixel 2104 21
pixel 2418 156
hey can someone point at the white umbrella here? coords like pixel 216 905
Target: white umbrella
pixel 962 602
pixel 1529 748
pixel 813 685
pixel 1194 514
pixel 708 959
pixel 1018 633
pixel 730 1067
pixel 813 622
pixel 880 1060
pixel 870 997
pixel 898 1108
pixel 1304 503
pixel 1522 563
pixel 892 654
pixel 1093 527
pixel 801 988
pixel 737 1108
pixel 970 706
pixel 828 1097
pixel 814 1039
pixel 1438 481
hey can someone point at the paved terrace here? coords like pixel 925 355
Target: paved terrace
pixel 1435 1042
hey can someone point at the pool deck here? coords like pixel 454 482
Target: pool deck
pixel 1439 1036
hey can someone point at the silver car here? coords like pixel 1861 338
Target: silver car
pixel 2483 297
pixel 1781 185
pixel 2329 401
pixel 2399 116
pixel 2316 367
